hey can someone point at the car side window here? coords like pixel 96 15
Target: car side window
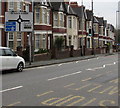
pixel 8 52
pixel 2 52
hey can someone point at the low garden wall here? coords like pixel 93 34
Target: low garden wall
pixel 41 57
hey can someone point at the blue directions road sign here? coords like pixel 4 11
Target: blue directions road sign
pixel 10 26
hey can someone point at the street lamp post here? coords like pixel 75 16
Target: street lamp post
pixel 93 50
pixel 117 29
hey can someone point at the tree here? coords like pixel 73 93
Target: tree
pixel 59 43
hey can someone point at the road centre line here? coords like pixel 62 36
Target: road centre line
pixel 14 88
pixel 64 76
pixel 102 66
pixel 96 68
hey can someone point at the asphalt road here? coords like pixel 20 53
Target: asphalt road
pixel 91 82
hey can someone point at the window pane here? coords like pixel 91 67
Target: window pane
pixel 37 41
pixel 2 53
pixel 11 44
pixel 48 17
pixel 11 5
pixel 19 6
pixel 18 35
pixel 8 52
pixel 37 15
pixel 11 36
pixel 44 16
pixel 69 22
pixel 18 43
pixel 55 19
pixel 44 42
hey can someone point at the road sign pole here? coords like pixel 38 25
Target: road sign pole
pixel 29 37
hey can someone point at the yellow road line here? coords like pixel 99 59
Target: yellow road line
pixel 74 97
pixel 45 93
pixel 13 104
pixel 92 100
pixel 114 81
pixel 69 85
pixel 71 104
pixel 87 79
pixel 60 100
pixel 83 87
pixel 106 89
pixel 94 88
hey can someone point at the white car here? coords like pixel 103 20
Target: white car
pixel 9 60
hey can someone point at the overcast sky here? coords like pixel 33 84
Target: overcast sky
pixel 103 8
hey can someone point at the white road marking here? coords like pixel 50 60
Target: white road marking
pixel 77 61
pixel 14 88
pixel 96 68
pixel 64 76
pixel 102 66
pixel 60 65
pixel 35 68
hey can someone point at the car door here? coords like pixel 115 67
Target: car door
pixel 2 60
pixel 11 59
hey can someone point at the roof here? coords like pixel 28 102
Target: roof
pixel 58 6
pixel 100 21
pixel 111 27
pixel 46 3
pixel 70 10
pixel 78 11
pixel 89 15
pixel 95 20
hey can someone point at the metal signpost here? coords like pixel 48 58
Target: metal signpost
pixel 20 22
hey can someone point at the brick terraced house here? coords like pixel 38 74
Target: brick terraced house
pixel 67 20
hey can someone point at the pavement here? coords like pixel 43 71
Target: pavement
pixel 57 61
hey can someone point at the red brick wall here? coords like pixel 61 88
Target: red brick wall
pixel 42 27
pixel 59 30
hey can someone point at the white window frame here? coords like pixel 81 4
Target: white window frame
pixel 37 12
pixel 74 20
pixel 37 41
pixel 44 41
pixel 27 7
pixel 56 19
pixel 44 15
pixel 48 16
pixel 19 6
pixel 11 5
pixel 61 19
pixel 69 22
pixel 19 39
pixel 10 40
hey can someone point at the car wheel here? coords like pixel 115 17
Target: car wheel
pixel 20 67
